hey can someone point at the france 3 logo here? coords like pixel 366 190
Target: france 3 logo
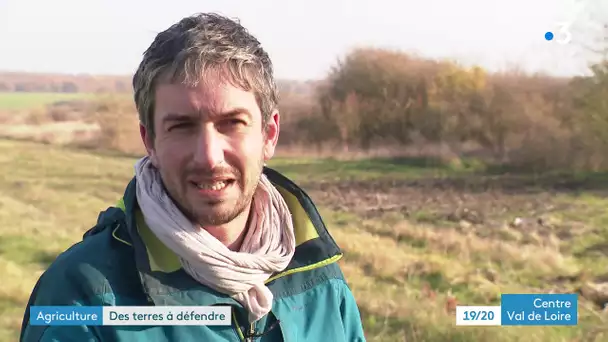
pixel 561 34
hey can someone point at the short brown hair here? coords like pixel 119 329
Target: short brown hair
pixel 201 43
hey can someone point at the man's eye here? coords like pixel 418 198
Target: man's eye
pixel 181 125
pixel 235 122
pixel 231 125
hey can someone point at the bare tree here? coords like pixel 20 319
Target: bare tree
pixel 592 34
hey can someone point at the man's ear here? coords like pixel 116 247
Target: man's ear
pixel 148 141
pixel 272 135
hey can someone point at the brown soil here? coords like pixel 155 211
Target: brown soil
pixel 485 203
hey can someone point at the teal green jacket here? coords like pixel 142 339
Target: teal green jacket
pixel 120 262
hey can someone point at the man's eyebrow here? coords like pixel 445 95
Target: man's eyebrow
pixel 169 117
pixel 230 113
pixel 177 117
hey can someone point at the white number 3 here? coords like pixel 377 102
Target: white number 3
pixel 564 33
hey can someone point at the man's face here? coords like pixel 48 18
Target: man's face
pixel 210 148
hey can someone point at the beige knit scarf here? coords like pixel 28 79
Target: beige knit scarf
pixel 268 246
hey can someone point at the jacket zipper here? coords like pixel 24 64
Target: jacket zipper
pixel 251 332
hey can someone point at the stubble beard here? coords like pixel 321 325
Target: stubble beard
pixel 217 213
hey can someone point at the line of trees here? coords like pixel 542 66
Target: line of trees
pixel 382 99
pixel 58 83
pixel 375 98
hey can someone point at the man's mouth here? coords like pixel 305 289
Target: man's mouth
pixel 214 185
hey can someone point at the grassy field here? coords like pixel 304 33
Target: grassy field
pixel 415 233
pixel 20 101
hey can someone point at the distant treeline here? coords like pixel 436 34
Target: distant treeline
pixel 375 99
pixel 82 83
pixel 62 83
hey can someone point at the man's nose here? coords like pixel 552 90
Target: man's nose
pixel 209 151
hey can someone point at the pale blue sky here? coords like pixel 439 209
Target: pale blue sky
pixel 304 38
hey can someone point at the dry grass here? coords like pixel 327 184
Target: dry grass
pixel 99 122
pixel 404 271
pixel 59 133
pixel 404 285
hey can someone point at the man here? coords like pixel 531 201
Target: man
pixel 204 222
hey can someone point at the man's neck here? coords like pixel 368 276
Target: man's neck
pixel 233 233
